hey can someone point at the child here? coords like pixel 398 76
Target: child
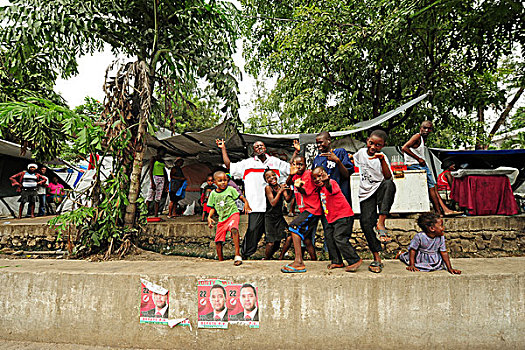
pixel 427 250
pixel 209 186
pixel 276 226
pixel 56 194
pixel 414 151
pixel 376 189
pixel 303 227
pixel 445 179
pixel 340 218
pixel 222 201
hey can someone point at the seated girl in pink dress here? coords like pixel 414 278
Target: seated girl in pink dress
pixel 427 250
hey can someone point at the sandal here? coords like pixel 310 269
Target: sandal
pixel 376 264
pixel 382 236
pixel 335 266
pixel 290 269
pixel 237 261
pixel 354 267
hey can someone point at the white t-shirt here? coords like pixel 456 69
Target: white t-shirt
pixel 251 171
pixel 370 173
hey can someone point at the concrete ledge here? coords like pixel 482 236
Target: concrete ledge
pixel 98 304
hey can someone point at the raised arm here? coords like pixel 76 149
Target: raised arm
pixel 222 145
pixel 297 149
pixel 413 143
pixel 345 174
pixel 385 169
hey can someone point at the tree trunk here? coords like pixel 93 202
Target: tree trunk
pixel 142 74
pixel 480 132
pixel 505 114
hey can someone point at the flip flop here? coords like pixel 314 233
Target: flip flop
pixel 382 236
pixel 291 269
pixel 376 264
pixel 454 213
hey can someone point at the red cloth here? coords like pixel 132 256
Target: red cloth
pixel 485 195
pixel 226 226
pixel 335 204
pixel 310 202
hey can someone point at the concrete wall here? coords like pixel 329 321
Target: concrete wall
pixel 98 304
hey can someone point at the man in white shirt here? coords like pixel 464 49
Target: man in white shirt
pixel 251 171
pixel 249 304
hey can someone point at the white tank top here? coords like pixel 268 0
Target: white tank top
pixel 419 151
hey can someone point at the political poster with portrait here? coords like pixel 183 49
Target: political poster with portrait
pixel 154 303
pixel 212 308
pixel 243 304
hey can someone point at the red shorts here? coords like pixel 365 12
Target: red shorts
pixel 205 208
pixel 226 226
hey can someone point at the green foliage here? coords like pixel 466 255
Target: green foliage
pixel 36 124
pixel 338 63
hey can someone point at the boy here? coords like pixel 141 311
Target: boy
pixel 303 227
pixel 222 201
pixel 376 188
pixel 340 218
pixel 206 189
pixel 414 153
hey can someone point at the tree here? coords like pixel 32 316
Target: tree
pixel 174 45
pixel 339 62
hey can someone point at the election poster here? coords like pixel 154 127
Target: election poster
pixel 212 309
pixel 243 304
pixel 154 303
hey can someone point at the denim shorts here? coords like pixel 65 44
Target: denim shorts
pixel 430 179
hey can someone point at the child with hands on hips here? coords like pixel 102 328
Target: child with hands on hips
pixel 275 224
pixel 222 202
pixel 427 250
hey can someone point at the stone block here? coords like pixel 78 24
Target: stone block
pixel 487 235
pixel 454 247
pixel 495 242
pixel 510 246
pixel 509 235
pixel 404 240
pixel 468 246
pixel 480 243
pixel 392 247
pixel 31 243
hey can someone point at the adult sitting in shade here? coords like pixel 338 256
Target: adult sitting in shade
pixel 248 299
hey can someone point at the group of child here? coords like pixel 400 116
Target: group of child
pixel 317 196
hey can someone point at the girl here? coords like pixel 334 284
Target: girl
pixel 275 225
pixel 427 251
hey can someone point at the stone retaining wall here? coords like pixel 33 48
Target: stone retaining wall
pixel 491 236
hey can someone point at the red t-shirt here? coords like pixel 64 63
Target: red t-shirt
pixel 334 204
pixel 309 202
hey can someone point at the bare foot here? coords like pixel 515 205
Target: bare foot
pixel 354 267
pixel 335 266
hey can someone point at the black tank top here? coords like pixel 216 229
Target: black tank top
pixel 278 209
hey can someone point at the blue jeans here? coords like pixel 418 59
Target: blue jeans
pixel 430 179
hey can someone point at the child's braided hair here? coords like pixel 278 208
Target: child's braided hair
pixel 427 220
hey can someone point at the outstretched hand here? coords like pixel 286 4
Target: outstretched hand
pixel 298 183
pixel 220 143
pixel 296 145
